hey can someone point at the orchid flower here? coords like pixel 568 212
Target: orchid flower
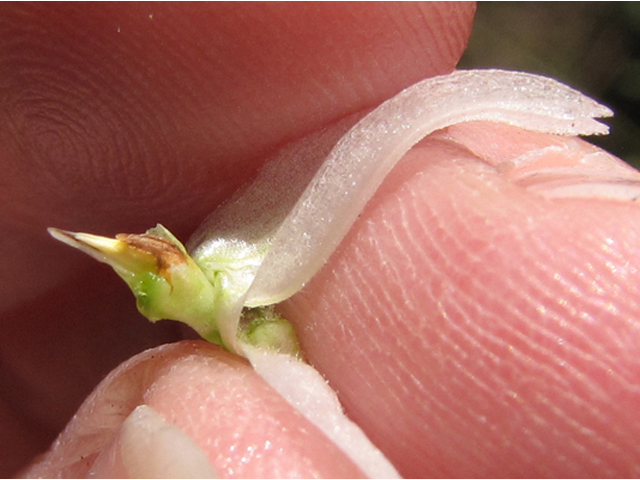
pixel 270 239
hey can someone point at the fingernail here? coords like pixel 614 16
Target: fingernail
pixel 148 447
pixel 573 171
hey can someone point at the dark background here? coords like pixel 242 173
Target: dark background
pixel 593 46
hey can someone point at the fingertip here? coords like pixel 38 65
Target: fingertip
pixel 207 402
pixel 470 304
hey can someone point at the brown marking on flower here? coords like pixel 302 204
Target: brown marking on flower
pixel 165 252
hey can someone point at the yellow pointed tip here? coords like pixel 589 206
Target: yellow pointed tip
pixel 83 240
pixel 62 235
pixel 112 251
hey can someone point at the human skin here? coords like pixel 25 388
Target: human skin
pixel 470 326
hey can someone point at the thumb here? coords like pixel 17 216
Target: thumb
pixel 190 410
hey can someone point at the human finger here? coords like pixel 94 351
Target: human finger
pixel 198 399
pixel 480 319
pixel 118 117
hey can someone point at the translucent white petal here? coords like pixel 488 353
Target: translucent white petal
pixel 366 154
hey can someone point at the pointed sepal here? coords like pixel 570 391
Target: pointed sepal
pixel 165 280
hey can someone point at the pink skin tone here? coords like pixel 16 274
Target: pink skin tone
pixel 471 326
pixel 100 133
pixel 496 326
pixel 245 428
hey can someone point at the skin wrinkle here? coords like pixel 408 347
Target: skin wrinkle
pixel 404 238
pixel 584 440
pixel 58 78
pixel 516 282
pixel 566 398
pixel 359 302
pixel 437 43
pixel 488 389
pixel 90 170
pixel 395 275
pixel 427 41
pixel 384 297
pixel 408 366
pixel 446 412
pixel 130 83
pixel 550 335
pixel 124 72
pixel 460 39
pixel 574 261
